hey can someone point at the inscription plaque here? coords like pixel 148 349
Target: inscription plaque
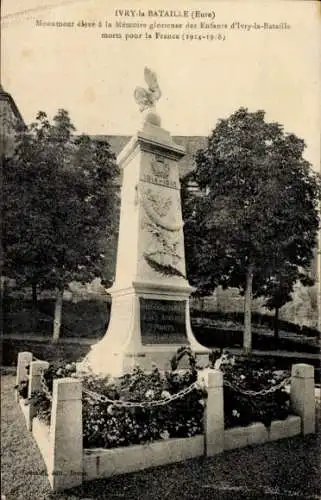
pixel 162 321
pixel 160 181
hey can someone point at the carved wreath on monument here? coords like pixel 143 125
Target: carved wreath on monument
pixel 158 207
pixel 163 254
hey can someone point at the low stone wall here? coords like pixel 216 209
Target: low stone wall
pixel 25 408
pixel 257 433
pixel 105 463
pixel 41 433
pixel 68 464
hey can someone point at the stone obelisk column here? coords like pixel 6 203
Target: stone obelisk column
pixel 150 297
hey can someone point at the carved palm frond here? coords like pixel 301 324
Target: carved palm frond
pixel 151 79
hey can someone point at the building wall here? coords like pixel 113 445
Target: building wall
pixel 9 118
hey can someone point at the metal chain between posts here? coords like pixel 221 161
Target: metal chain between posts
pixel 44 386
pixel 142 404
pixel 262 392
pixel 161 402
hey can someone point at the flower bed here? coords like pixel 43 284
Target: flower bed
pixel 41 400
pixel 109 423
pixel 253 391
pixel 254 395
pixel 136 421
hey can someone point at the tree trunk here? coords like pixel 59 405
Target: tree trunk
pixel 58 315
pixel 276 323
pixel 34 296
pixel 247 338
pixel 5 303
pixel 34 307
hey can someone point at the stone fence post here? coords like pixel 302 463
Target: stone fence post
pixel 36 368
pixel 24 359
pixel 65 468
pixel 302 395
pixel 214 414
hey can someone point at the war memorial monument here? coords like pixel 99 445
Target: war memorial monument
pixel 150 296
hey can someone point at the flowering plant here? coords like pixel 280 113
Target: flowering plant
pixel 23 387
pixel 108 422
pixel 110 425
pixel 39 399
pixel 42 406
pixel 250 395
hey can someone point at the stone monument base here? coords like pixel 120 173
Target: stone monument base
pixel 120 363
pixel 148 324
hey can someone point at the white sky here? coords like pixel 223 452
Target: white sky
pixel 201 81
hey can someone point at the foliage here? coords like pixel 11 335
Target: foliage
pixel 241 409
pixel 278 287
pixel 255 218
pixel 60 204
pixel 233 318
pixel 39 399
pixel 107 425
pixel 184 351
pixel 166 270
pixel 83 318
pixel 18 458
pixel 22 388
pixel 58 369
pixel 225 331
pixel 41 405
pixel 110 423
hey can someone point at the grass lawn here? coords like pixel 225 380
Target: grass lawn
pixel 283 470
pixel 87 318
pixel 41 350
pixel 90 318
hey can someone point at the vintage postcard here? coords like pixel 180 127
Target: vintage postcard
pixel 137 88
